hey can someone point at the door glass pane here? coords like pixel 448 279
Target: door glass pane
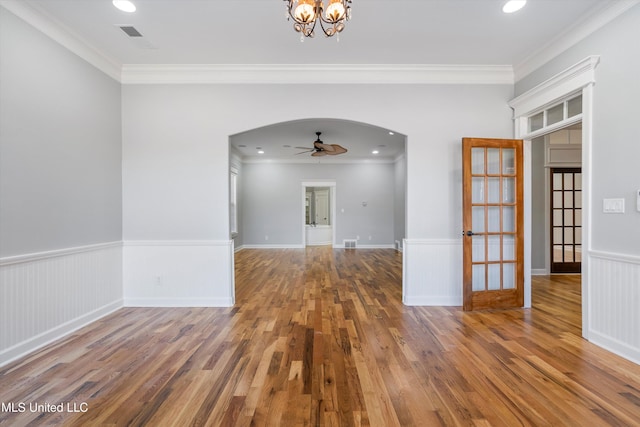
pixel 557 181
pixel 578 195
pixel 568 181
pixel 578 217
pixel 557 217
pixel 568 253
pixel 555 114
pixel 477 249
pixel 536 122
pixel 494 277
pixel 477 190
pixel 578 253
pixel 494 219
pixel 574 106
pixel 493 190
pixel 557 253
pixel 557 199
pixel 508 276
pixel 568 199
pixel 477 219
pixel 508 161
pixel 494 248
pixel 508 190
pixel 478 282
pixel 568 235
pixel 568 217
pixel 557 235
pixel 493 161
pixel 578 235
pixel 477 161
pixel 509 219
pixel 578 181
pixel 508 247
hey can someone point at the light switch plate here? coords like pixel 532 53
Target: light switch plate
pixel 613 206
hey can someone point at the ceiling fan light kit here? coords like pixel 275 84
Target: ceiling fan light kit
pixel 321 149
pixel 307 13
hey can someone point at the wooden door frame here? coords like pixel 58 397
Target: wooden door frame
pixel 579 78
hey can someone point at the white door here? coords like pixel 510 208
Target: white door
pixel 322 207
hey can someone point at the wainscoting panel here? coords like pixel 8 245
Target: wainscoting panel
pixel 178 273
pixel 432 272
pixel 47 295
pixel 614 301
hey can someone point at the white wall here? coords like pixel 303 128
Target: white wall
pixel 612 286
pixel 400 200
pixel 272 200
pixel 175 150
pixel 60 190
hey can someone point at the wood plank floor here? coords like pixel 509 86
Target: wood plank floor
pixel 319 337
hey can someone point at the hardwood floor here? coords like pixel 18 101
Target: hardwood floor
pixel 320 337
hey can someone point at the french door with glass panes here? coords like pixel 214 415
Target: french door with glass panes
pixel 493 217
pixel 566 216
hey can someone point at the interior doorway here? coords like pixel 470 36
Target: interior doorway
pixel 319 222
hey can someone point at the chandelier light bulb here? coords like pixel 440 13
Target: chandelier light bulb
pixel 305 11
pixel 335 11
pixel 328 15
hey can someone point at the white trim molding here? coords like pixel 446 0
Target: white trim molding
pixel 432 272
pixel 559 86
pixel 48 295
pixel 37 256
pixel 614 289
pixel 317 74
pixel 178 273
pixel 570 37
pixel 61 34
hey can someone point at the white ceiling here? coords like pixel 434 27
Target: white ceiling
pixel 391 32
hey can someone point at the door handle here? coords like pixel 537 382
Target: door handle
pixel 468 233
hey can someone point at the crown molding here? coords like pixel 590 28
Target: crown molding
pixel 63 35
pixel 570 80
pixel 571 37
pixel 317 74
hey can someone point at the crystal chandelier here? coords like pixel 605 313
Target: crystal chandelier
pixel 307 13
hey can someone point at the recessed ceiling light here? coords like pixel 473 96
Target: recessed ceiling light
pixel 391 133
pixel 125 5
pixel 513 6
pixel 260 152
pixel 375 152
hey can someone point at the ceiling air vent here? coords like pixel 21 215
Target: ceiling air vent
pixel 135 37
pixel 131 31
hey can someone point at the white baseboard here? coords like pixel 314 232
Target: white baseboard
pixel 178 302
pixel 34 343
pixel 620 348
pixel 539 272
pixel 433 301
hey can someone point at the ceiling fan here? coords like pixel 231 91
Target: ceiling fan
pixel 322 149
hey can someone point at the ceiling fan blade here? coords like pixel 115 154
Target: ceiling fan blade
pixel 337 149
pixel 319 153
pixel 322 146
pixel 302 152
pixel 304 148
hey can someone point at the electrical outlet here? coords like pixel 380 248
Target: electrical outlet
pixel 158 280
